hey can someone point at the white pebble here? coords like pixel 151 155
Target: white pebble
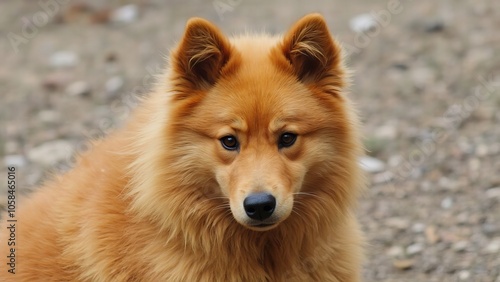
pixel 370 164
pixel 125 14
pixel 362 23
pixel 464 275
pixel 63 59
pixel 447 203
pixel 14 160
pixel 114 84
pixel 78 88
pixel 493 193
pixel 414 249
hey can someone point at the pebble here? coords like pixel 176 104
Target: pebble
pixel 418 227
pixel 114 84
pixel 493 193
pixel 447 203
pixel 396 252
pixel 387 132
pixel 481 150
pixel 404 264
pixel 55 80
pixel 63 59
pixel 414 249
pixel 464 275
pixel 447 184
pixel 429 265
pixel 398 223
pixel 362 23
pixel 48 116
pixel 383 177
pixel 493 247
pixel 52 152
pixel 125 14
pixel 460 246
pixel 14 160
pixel 490 229
pixel 422 76
pixel 474 164
pixel 11 147
pixel 371 164
pixel 78 88
pixel 431 234
pixel 434 26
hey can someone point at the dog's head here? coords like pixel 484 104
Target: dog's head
pixel 262 121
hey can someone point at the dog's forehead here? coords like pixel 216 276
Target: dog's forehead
pixel 258 94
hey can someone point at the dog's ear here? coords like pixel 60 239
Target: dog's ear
pixel 202 54
pixel 312 52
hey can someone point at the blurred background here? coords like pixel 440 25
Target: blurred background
pixel 426 82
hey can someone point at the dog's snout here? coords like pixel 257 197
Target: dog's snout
pixel 259 206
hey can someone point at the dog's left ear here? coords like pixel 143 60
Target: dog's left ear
pixel 312 52
pixel 201 55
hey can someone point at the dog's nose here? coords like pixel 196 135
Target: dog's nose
pixel 259 206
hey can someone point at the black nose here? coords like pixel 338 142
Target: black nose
pixel 259 206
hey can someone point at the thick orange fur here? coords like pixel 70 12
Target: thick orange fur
pixel 160 199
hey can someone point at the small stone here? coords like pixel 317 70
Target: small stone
pixel 63 59
pixel 78 88
pixel 111 57
pixel 429 265
pixel 493 193
pixel 431 234
pixel 474 164
pixel 414 249
pixel 125 14
pixel 422 76
pixel 404 264
pixel 447 203
pixel 362 23
pixel 114 84
pixel 396 252
pixel 51 153
pixel 434 26
pixel 460 246
pixel 464 275
pixel 400 66
pixel 490 229
pixel 55 81
pixel 387 132
pixel 418 227
pixel 493 247
pixel 49 116
pixel 398 223
pixel 383 177
pixel 14 160
pixel 12 147
pixel 482 150
pixel 447 184
pixel 371 164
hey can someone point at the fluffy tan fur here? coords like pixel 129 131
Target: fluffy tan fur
pixel 161 200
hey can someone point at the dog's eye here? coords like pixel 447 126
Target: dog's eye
pixel 229 143
pixel 287 139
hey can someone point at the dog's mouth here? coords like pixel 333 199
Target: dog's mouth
pixel 262 226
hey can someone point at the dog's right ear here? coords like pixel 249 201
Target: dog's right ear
pixel 201 55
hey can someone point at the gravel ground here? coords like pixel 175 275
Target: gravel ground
pixel 426 81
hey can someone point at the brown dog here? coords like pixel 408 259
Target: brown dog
pixel 241 165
